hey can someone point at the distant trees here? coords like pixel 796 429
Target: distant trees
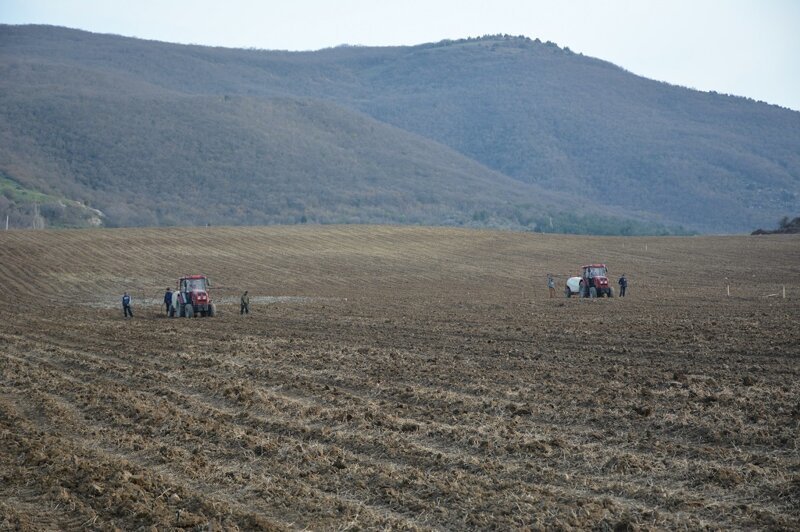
pixel 785 226
pixel 23 215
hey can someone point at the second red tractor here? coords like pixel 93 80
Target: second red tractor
pixel 594 281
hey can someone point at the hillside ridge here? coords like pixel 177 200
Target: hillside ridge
pixel 566 136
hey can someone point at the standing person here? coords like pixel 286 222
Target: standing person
pixel 245 306
pixel 623 284
pixel 168 299
pixel 551 285
pixel 175 304
pixel 126 305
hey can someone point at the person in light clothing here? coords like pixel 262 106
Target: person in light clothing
pixel 245 306
pixel 173 311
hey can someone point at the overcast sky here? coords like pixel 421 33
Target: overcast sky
pixel 744 47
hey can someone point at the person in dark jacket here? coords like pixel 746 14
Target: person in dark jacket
pixel 126 306
pixel 245 306
pixel 623 285
pixel 168 299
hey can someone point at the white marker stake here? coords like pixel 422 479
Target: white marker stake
pixel 728 289
pixel 784 291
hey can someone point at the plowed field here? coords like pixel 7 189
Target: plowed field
pixel 398 378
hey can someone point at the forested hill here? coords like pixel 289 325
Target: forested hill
pixel 497 131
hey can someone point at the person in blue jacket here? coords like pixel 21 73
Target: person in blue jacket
pixel 126 306
pixel 623 285
pixel 168 299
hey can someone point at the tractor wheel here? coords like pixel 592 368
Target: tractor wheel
pixel 582 290
pixel 592 292
pixel 212 310
pixel 610 292
pixel 567 292
pixel 189 311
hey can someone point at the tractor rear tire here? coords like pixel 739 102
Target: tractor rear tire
pixel 212 310
pixel 592 292
pixel 567 292
pixel 189 311
pixel 610 292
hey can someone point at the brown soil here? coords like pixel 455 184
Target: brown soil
pixel 398 378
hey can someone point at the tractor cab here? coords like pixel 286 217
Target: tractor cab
pixel 594 281
pixel 194 283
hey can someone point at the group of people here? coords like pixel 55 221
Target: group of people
pixel 171 302
pixel 171 298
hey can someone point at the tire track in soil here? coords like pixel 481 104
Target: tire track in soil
pixel 283 429
pixel 185 479
pixel 89 372
pixel 84 484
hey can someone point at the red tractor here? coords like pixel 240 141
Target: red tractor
pixel 594 281
pixel 193 298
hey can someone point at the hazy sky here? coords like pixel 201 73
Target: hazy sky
pixel 743 47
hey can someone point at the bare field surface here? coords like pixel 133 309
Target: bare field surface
pixel 407 378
